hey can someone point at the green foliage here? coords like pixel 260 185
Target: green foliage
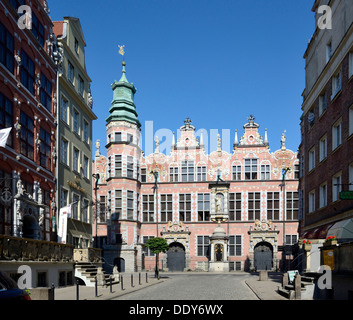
pixel 157 244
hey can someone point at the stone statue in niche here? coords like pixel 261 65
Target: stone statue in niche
pixel 219 203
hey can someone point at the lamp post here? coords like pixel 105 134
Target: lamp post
pixel 284 173
pixel 155 174
pixel 96 176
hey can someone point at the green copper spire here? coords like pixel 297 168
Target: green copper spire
pixel 123 107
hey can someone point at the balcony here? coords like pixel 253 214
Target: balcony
pixel 22 249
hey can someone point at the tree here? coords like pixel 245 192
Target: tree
pixel 157 245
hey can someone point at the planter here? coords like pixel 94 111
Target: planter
pixel 330 242
pixel 307 246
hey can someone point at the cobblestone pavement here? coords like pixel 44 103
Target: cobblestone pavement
pixel 197 286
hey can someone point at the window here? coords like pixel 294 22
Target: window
pixel 312 201
pixel 129 138
pixel 64 151
pixel 147 251
pixel 235 206
pixel 130 205
pixel 201 173
pixel 143 174
pixel 76 121
pixel 85 167
pixel 322 103
pixel 27 72
pixel 6 117
pixel 27 136
pixel 311 159
pixel 85 207
pixel 85 131
pixel 292 205
pixel 250 169
pixel 118 137
pixel 291 239
pixel 351 177
pixel 187 171
pixel 203 246
pixel 130 166
pixel 118 204
pixel 70 72
pixel 265 172
pixel 311 118
pixel 64 109
pixel 81 85
pixel 272 205
pixel 323 148
pixel 64 198
pixel 336 134
pixel 173 174
pixel 45 149
pixel 235 246
pixel 296 171
pixel 185 207
pixel 236 172
pixel 6 48
pixel 254 202
pixel 323 195
pixel 118 166
pixel 336 186
pixel 41 279
pixel 148 208
pixel 76 46
pixel 45 92
pixel 37 29
pixel 350 72
pixel 203 206
pixel 336 84
pixel 102 209
pixel 328 51
pixel 75 206
pixel 75 159
pixel 351 120
pixel 166 207
pixel 16 3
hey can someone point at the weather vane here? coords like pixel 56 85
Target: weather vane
pixel 121 50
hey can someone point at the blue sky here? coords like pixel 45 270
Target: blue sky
pixel 215 61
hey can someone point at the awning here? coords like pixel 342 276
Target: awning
pixel 342 229
pixel 78 234
pixel 317 233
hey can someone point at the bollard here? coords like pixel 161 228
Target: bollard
pixel 139 278
pixel 96 286
pixel 132 280
pixel 52 291
pixel 111 283
pixel 77 290
pixel 146 278
pixel 122 282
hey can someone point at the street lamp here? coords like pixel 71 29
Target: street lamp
pixel 155 174
pixel 96 176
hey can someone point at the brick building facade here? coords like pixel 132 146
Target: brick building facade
pixel 237 208
pixel 326 149
pixel 28 106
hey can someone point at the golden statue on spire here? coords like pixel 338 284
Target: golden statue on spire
pixel 121 50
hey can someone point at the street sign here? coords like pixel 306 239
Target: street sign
pixel 346 195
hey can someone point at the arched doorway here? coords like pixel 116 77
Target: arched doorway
pixel 120 263
pixel 263 256
pixel 176 257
